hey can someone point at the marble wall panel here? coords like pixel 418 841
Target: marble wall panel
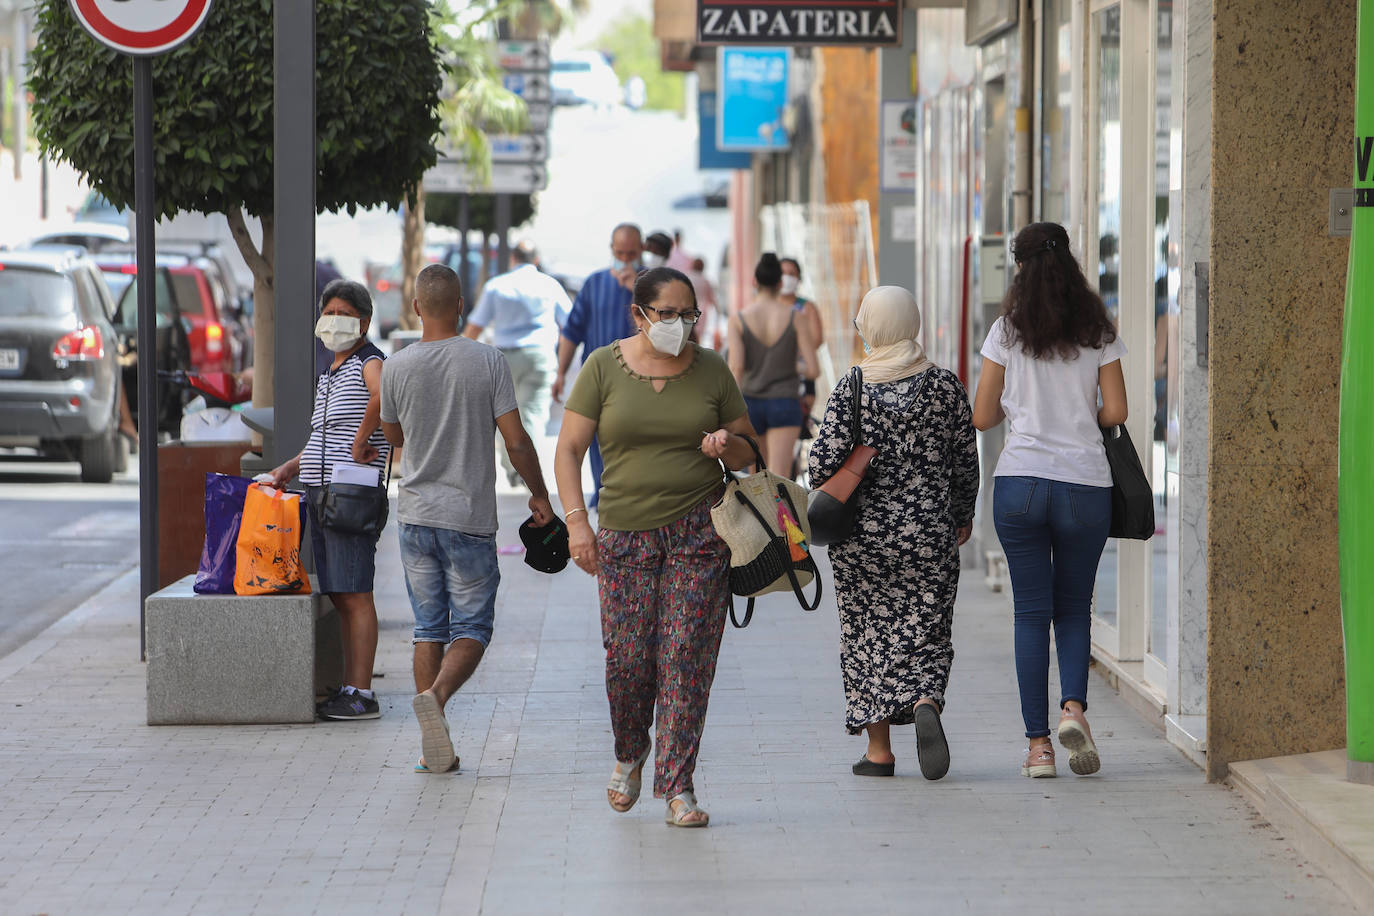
pixel 1282 113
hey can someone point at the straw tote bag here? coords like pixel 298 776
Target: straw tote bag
pixel 762 518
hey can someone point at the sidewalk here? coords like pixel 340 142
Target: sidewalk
pixel 103 814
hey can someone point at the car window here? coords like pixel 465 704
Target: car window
pixel 188 292
pixel 116 281
pixel 34 293
pixel 163 299
pixel 92 308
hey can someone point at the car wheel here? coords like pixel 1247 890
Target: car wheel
pixel 97 456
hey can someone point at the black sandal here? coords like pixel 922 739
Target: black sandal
pixel 866 767
pixel 932 750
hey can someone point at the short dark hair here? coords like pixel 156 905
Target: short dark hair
pixel 650 283
pixel 627 227
pixel 768 273
pixel 659 243
pixel 350 291
pixel 438 290
pixel 524 252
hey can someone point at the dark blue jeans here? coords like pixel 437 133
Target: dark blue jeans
pixel 1052 534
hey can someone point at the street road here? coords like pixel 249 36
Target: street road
pixel 61 541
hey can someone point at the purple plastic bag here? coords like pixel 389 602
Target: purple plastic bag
pixel 224 495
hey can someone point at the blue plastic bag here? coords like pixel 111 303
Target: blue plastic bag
pixel 224 495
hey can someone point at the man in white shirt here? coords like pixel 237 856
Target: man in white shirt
pixel 524 309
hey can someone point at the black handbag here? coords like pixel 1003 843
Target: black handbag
pixel 1133 499
pixel 832 509
pixel 350 508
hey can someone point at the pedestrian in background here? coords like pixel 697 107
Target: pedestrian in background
pixel 344 430
pixel 600 315
pixel 666 411
pixel 897 575
pixel 657 247
pixel 767 344
pixel 524 309
pixel 709 331
pixel 443 398
pixel 809 313
pixel 1045 361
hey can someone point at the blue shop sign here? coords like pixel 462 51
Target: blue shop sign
pixel 710 156
pixel 752 87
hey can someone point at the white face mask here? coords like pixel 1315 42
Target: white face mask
pixel 668 339
pixel 652 260
pixel 617 264
pixel 789 284
pixel 338 332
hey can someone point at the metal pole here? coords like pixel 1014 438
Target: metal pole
pixel 463 242
pixel 502 233
pixel 293 199
pixel 147 339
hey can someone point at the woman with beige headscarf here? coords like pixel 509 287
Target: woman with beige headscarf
pixel 897 574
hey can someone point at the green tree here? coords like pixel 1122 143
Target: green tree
pixel 633 50
pixel 474 104
pixel 376 94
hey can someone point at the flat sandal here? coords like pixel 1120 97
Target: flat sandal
pixel 625 782
pixel 689 806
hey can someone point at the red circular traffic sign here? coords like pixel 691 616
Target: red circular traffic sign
pixel 141 27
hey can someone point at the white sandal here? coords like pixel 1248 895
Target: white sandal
pixel 689 806
pixel 626 782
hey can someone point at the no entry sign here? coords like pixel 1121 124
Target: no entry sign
pixel 141 27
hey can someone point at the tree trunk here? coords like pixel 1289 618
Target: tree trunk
pixel 412 256
pixel 264 301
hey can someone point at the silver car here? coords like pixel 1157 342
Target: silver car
pixel 59 360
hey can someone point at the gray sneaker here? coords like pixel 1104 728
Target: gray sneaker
pixel 350 706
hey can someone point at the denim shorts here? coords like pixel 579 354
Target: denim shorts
pixel 773 413
pixel 344 562
pixel 451 578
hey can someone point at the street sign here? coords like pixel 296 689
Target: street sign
pixel 539 116
pixel 141 27
pixel 451 176
pixel 522 55
pixel 519 147
pixel 532 87
pixel 752 89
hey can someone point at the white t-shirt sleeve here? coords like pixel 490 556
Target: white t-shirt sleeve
pixel 993 348
pixel 1113 351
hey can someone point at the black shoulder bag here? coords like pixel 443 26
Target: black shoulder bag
pixel 1133 499
pixel 833 508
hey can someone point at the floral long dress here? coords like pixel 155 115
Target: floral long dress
pixel 897 575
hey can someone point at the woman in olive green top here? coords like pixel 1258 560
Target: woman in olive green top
pixel 665 412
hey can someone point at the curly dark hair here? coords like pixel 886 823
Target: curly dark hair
pixel 1050 309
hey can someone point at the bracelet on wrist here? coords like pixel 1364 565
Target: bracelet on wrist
pixel 571 512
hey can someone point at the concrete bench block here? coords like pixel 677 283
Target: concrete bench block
pixel 235 659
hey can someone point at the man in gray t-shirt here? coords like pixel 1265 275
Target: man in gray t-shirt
pixel 443 398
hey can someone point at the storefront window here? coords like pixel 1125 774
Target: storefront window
pixel 1165 334
pixel 1056 113
pixel 1106 26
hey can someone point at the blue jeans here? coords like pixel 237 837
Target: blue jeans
pixel 451 578
pixel 1052 534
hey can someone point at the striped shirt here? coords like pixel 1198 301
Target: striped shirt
pixel 344 393
pixel 601 314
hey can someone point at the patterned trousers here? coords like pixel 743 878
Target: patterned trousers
pixel 664 597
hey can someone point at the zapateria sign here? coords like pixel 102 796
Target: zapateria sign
pixel 799 22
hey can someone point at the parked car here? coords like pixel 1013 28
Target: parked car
pixel 59 369
pixel 96 208
pixel 584 78
pixel 173 347
pixel 93 236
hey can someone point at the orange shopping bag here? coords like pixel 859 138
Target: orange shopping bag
pixel 269 544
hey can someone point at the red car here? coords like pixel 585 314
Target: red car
pixel 213 345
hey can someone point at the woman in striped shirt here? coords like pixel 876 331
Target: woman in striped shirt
pixel 345 421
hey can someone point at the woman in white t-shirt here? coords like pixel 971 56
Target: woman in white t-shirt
pixel 1045 361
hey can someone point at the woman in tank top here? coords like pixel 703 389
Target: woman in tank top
pixel 767 343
